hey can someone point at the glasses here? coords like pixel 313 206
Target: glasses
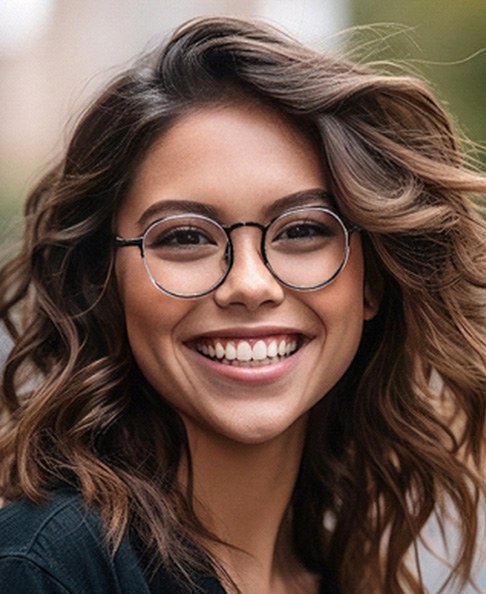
pixel 190 255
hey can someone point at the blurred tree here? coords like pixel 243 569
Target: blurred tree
pixel 446 43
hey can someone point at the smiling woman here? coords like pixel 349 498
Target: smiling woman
pixel 244 158
pixel 249 332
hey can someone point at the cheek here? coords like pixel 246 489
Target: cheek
pixel 151 317
pixel 340 311
pixel 340 316
pixel 343 300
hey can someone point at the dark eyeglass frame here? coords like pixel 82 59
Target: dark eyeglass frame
pixel 347 228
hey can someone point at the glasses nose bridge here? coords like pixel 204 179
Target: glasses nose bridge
pixel 229 229
pixel 263 228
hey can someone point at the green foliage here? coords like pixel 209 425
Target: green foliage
pixel 445 41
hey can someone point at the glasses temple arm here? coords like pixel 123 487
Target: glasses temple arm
pixel 136 241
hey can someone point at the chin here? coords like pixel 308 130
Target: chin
pixel 258 431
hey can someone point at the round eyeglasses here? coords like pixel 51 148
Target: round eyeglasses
pixel 190 255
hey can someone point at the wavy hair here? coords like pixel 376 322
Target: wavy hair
pixel 401 435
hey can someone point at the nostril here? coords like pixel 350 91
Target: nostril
pixel 250 287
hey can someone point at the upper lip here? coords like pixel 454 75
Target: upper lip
pixel 249 332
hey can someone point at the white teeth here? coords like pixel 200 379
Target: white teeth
pixel 272 349
pixel 230 352
pixel 244 352
pixel 290 348
pixel 220 350
pixel 260 351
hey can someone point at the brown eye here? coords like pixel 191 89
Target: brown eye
pixel 304 231
pixel 180 238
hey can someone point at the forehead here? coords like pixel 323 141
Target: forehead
pixel 237 158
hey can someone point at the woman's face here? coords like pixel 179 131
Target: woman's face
pixel 238 161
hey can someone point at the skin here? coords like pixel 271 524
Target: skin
pixel 245 432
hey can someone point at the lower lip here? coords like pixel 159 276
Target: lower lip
pixel 264 374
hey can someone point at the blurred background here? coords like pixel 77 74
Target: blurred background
pixel 55 55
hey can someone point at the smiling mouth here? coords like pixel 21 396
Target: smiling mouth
pixel 249 352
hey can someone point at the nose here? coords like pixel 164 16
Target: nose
pixel 249 282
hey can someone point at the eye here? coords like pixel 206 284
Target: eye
pixel 304 230
pixel 179 237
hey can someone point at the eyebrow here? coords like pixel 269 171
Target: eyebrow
pixel 168 207
pixel 298 200
pixel 295 200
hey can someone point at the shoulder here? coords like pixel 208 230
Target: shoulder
pixel 27 527
pixel 59 547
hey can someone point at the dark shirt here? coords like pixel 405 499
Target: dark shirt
pixel 58 548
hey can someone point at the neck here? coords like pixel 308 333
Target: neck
pixel 242 494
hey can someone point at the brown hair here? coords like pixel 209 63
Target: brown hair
pixel 402 433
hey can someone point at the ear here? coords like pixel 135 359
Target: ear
pixel 374 282
pixel 372 296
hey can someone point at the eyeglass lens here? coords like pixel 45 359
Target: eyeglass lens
pixel 190 255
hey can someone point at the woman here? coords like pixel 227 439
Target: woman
pixel 249 332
